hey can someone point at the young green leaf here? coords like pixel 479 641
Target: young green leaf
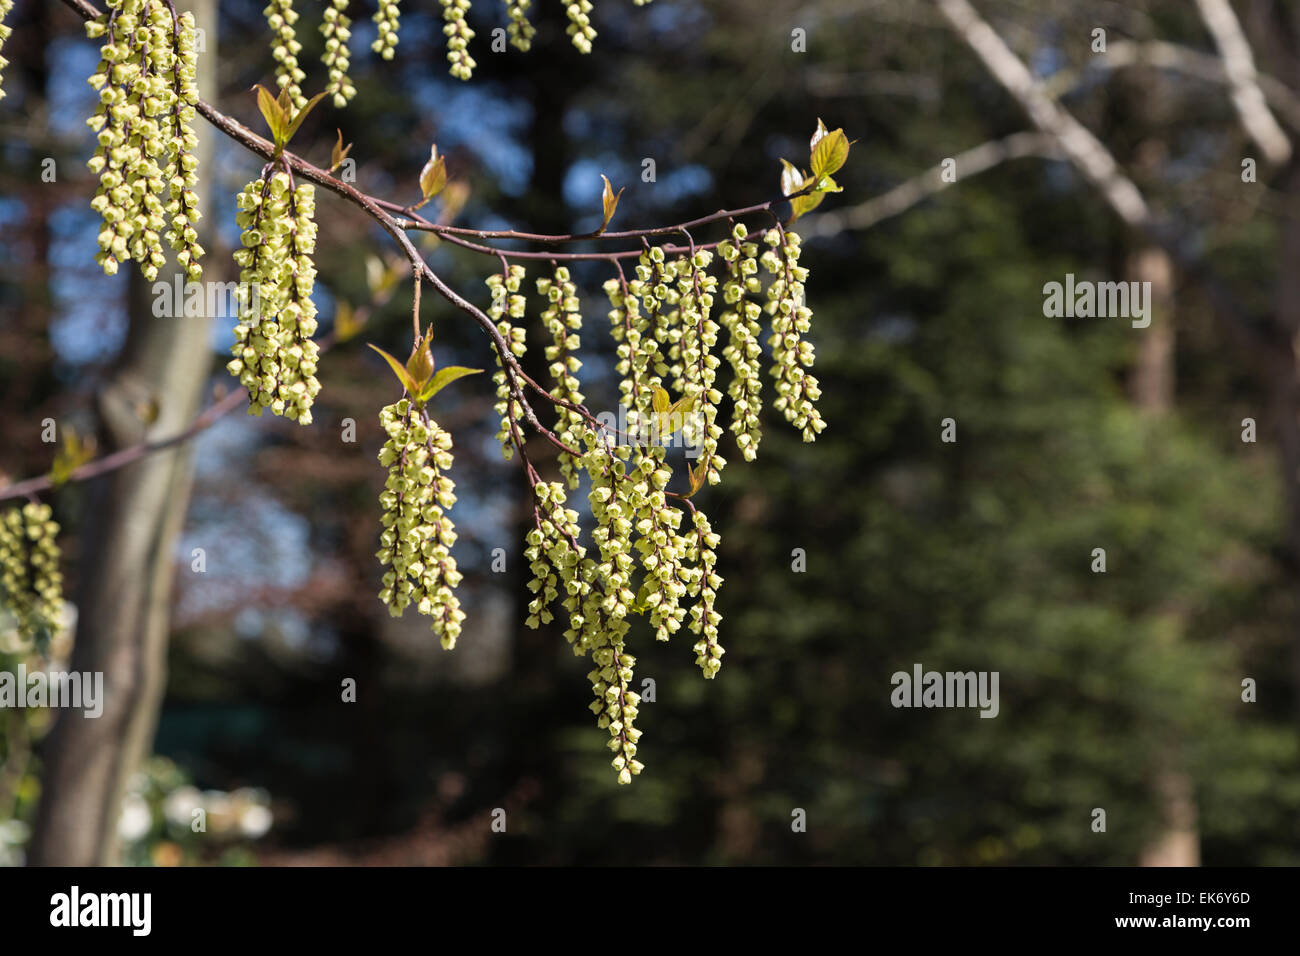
pixel 792 179
pixel 340 152
pixel 697 476
pixel 829 154
pixel 444 378
pixel 683 405
pixel 818 133
pixel 399 370
pixel 72 454
pixel 285 103
pixel 806 203
pixel 271 112
pixel 609 201
pixel 433 177
pixel 420 365
pixel 659 400
pixel 300 116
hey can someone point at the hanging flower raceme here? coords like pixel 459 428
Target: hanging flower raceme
pixel 627 328
pixel 580 30
pixel 143 126
pixel 655 552
pixel 508 304
pixel 740 317
pixel 275 357
pixel 386 20
pixel 704 586
pixel 699 338
pixel 615 498
pixel 661 547
pixel 418 536
pixel 31 585
pixel 519 28
pixel 555 560
pixel 563 318
pixel 336 30
pixel 281 17
pixel 797 390
pixel 458 36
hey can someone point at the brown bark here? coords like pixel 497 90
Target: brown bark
pixel 1151 385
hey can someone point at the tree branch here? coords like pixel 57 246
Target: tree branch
pixel 1098 166
pixel 1078 143
pixel 971 162
pixel 1239 68
pixel 382 212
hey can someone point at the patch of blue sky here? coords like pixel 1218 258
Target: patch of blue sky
pixel 583 186
pixel 89 323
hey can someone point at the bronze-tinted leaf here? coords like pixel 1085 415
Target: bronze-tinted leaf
pixel 609 202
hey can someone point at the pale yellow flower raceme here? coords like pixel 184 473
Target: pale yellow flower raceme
pixel 143 127
pixel 31 585
pixel 458 36
pixel 275 357
pixel 387 19
pixel 336 29
pixel 417 537
pixel 281 17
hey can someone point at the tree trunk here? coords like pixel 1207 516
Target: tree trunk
pixel 1151 385
pixel 127 560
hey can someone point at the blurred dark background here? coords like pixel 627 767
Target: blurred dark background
pixel 1119 690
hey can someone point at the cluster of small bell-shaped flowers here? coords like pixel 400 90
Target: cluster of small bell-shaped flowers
pixel 274 355
pixel 617 495
pixel 141 128
pixel 580 30
pixel 562 318
pixel 386 20
pixel 740 317
pixel 458 34
pixel 416 542
pixel 182 168
pixel 644 301
pixel 627 327
pixel 508 303
pixel 660 545
pixel 792 354
pixel 6 7
pixel 520 30
pixel 281 17
pixel 667 320
pixel 701 552
pixel 31 585
pixel 615 706
pixel 615 498
pixel 554 556
pixel 699 338
pixel 336 28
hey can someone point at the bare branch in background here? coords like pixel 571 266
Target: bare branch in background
pixel 1239 67
pixel 977 159
pixel 1083 149
pixel 1175 57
